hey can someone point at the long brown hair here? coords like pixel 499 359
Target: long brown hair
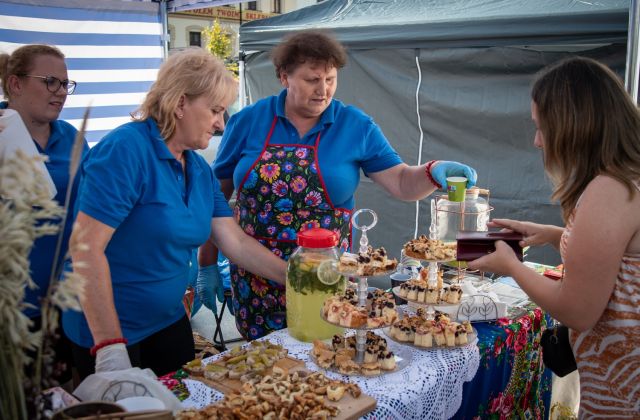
pixel 192 73
pixel 590 127
pixel 20 62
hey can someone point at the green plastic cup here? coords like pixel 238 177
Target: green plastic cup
pixel 456 188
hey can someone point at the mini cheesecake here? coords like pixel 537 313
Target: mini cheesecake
pixel 387 360
pixel 389 312
pixel 461 335
pixel 432 295
pixel 442 318
pixel 404 290
pixel 421 313
pixel 438 334
pixel 423 337
pixel 371 354
pixel 450 335
pixel 413 293
pixel 394 330
pixel 406 333
pixel 452 294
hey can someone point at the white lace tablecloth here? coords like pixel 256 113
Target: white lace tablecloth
pixel 429 388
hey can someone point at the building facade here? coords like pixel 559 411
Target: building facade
pixel 185 28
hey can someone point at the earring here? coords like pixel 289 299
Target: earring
pixel 180 116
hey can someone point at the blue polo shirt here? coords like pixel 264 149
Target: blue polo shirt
pixel 131 182
pixel 58 149
pixel 349 141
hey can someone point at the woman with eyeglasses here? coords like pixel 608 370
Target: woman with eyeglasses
pixel 35 84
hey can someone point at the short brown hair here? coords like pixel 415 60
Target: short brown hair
pixel 305 46
pixel 590 125
pixel 20 62
pixel 193 72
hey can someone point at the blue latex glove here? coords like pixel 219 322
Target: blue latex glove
pixel 193 277
pixel 444 168
pixel 209 286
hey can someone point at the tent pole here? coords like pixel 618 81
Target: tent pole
pixel 633 65
pixel 241 90
pixel 164 17
pixel 241 57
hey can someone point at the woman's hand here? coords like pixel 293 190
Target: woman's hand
pixel 534 234
pixel 444 168
pixel 209 286
pixel 502 261
pixel 113 357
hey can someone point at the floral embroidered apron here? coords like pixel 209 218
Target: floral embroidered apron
pixel 282 193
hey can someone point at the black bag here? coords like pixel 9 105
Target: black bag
pixel 557 354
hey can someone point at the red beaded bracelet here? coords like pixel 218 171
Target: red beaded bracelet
pixel 105 343
pixel 428 171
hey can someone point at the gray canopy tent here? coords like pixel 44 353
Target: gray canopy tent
pixel 450 79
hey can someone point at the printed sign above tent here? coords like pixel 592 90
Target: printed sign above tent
pixel 184 5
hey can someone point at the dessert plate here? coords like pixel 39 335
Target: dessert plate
pixel 401 354
pixel 354 274
pixel 396 291
pixel 361 328
pixel 446 260
pixel 471 337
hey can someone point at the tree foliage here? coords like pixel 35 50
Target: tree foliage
pixel 219 44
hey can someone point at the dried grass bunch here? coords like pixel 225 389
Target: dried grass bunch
pixel 27 213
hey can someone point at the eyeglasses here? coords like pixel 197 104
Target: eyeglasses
pixel 54 84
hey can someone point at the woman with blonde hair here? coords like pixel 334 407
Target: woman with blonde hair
pixel 588 129
pixel 146 200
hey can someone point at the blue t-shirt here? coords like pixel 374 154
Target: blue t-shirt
pixel 131 182
pixel 58 149
pixel 349 141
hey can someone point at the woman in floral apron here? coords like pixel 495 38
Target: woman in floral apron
pixel 295 161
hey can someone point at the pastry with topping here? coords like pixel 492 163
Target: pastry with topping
pixel 372 262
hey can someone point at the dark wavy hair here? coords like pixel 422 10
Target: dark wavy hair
pixel 591 126
pixel 314 46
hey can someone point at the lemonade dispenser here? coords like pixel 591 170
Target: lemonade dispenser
pixel 311 279
pixel 471 215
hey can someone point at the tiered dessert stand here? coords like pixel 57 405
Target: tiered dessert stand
pixel 403 357
pixel 432 276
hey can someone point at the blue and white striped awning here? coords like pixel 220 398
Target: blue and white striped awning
pixel 113 48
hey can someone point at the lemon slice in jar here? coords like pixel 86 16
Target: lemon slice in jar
pixel 326 274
